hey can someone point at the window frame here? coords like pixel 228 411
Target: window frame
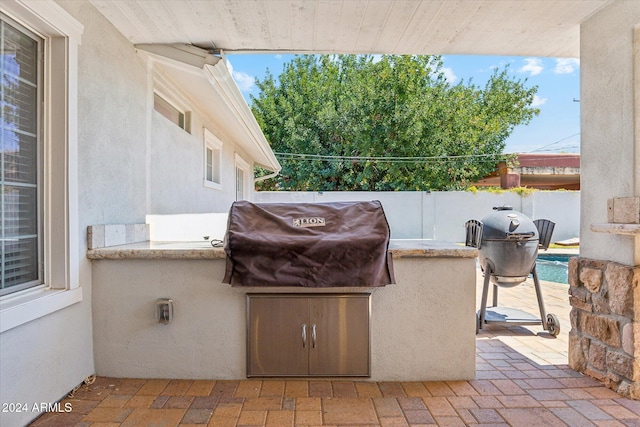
pixel 181 122
pixel 39 158
pixel 211 142
pixel 61 34
pixel 243 166
pixel 163 88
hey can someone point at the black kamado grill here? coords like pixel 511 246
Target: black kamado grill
pixel 508 243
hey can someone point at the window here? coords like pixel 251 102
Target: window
pixel 242 179
pixel 38 161
pixel 212 160
pixel 169 102
pixel 175 115
pixel 20 74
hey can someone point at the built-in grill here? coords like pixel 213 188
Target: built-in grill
pixel 308 244
pixel 508 243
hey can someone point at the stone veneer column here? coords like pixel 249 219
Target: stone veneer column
pixel 605 316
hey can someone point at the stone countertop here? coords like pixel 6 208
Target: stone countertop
pixel 614 228
pixel 400 248
pixel 424 248
pixel 159 250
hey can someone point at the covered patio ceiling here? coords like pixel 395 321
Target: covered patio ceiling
pixel 487 27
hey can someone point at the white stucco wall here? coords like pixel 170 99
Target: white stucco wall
pixel 176 168
pixel 609 144
pixel 422 328
pixel 133 161
pixel 441 215
pixel 42 360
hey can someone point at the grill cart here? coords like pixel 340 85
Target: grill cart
pixel 508 243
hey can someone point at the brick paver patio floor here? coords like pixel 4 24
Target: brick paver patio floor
pixel 522 379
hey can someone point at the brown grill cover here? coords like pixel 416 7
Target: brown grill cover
pixel 308 244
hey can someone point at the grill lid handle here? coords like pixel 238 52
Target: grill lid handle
pixel 503 208
pixel 520 235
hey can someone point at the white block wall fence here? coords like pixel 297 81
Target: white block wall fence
pixel 441 215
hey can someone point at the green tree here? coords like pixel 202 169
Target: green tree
pixel 390 124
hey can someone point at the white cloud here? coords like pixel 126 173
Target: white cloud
pixel 532 66
pixel 566 65
pixel 537 101
pixel 278 56
pixel 449 75
pixel 244 81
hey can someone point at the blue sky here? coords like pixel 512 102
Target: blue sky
pixel 555 130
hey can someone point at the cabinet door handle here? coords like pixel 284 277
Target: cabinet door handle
pixel 304 335
pixel 313 335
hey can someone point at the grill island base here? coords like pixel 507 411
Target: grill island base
pixel 420 329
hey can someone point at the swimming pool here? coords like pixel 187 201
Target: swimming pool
pixel 553 267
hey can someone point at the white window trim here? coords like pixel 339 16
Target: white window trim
pixel 213 143
pixel 164 88
pixel 61 33
pixel 243 165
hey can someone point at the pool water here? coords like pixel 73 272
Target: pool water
pixel 553 268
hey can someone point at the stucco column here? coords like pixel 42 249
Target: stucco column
pixel 636 125
pixel 604 341
pixel 610 95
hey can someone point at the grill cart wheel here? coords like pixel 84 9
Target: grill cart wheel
pixel 553 324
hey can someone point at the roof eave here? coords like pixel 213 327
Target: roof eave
pixel 198 62
pixel 219 76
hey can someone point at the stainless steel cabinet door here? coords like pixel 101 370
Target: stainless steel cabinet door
pixel 339 333
pixel 308 335
pixel 278 336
